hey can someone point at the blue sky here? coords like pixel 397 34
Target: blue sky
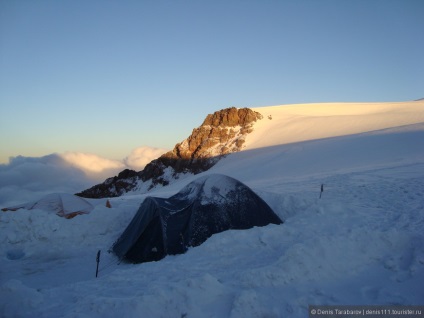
pixel 105 77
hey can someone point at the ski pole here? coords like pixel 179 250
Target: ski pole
pixel 98 261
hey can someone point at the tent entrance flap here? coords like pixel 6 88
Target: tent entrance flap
pixel 149 246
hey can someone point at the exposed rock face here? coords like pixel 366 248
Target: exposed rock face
pixel 221 133
pixel 125 181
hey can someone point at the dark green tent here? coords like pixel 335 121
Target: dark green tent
pixel 208 205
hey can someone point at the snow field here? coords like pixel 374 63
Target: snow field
pixel 293 123
pixel 362 243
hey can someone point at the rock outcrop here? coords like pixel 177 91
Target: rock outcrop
pixel 221 133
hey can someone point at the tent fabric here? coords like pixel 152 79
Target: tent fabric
pixel 63 204
pixel 208 205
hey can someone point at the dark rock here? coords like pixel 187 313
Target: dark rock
pixel 221 133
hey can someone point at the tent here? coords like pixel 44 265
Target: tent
pixel 63 204
pixel 208 205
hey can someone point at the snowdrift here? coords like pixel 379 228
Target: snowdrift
pixel 211 204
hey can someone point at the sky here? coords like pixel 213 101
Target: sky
pixel 113 79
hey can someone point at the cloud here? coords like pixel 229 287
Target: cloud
pixel 27 178
pixel 93 165
pixel 141 156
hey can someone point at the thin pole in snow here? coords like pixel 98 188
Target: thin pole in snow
pixel 322 190
pixel 98 261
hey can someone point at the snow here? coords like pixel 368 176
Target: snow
pixel 206 186
pixel 293 123
pixel 361 243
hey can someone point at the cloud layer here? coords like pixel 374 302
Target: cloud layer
pixel 141 156
pixel 94 166
pixel 25 179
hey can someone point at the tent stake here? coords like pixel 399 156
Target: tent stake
pixel 98 261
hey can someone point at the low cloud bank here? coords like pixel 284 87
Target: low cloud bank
pixel 28 178
pixel 92 165
pixel 141 156
pixel 25 179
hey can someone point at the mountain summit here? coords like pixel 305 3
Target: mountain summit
pixel 221 133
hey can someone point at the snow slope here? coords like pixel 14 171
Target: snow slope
pixel 361 243
pixel 293 123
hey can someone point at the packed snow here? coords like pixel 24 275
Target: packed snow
pixel 361 243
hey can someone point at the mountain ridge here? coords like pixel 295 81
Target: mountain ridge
pixel 225 132
pixel 221 133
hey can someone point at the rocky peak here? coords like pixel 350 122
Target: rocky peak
pixel 221 133
pixel 231 117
